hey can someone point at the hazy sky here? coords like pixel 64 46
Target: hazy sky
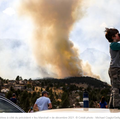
pixel 16 55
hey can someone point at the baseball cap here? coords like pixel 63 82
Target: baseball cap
pixel 44 92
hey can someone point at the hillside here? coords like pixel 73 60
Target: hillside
pixel 63 93
pixel 80 80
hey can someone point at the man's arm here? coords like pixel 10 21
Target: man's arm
pixel 35 107
pixel 50 106
pixel 99 105
pixel 106 105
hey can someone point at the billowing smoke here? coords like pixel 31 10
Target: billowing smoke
pixel 53 21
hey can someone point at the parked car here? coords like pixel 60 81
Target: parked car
pixel 7 106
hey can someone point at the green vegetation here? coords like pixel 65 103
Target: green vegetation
pixel 62 92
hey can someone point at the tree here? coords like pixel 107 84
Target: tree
pixel 17 79
pixel 34 97
pixel 91 104
pixel 56 96
pixel 27 104
pixel 33 87
pixel 9 94
pixel 0 85
pixel 42 84
pixel 23 98
pixel 41 89
pixel 12 89
pixel 47 88
pixel 65 100
pixel 29 86
pixel 88 88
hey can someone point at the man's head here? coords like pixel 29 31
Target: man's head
pixel 44 93
pixel 13 95
pixel 112 34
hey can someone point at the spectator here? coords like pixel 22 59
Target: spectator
pixel 43 103
pixel 113 36
pixel 13 98
pixel 103 103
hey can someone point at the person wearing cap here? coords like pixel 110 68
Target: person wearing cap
pixel 13 98
pixel 43 103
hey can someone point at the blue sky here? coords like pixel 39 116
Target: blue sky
pixel 16 56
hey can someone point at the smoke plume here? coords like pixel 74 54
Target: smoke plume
pixel 53 21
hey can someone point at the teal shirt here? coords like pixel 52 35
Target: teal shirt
pixel 115 55
pixel 115 46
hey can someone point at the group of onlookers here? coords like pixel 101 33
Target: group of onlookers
pixel 44 103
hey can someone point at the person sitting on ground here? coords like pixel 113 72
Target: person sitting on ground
pixel 13 98
pixel 103 103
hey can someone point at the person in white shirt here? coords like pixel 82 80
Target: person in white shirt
pixel 43 103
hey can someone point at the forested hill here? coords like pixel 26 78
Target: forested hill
pixel 83 80
pixel 77 80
